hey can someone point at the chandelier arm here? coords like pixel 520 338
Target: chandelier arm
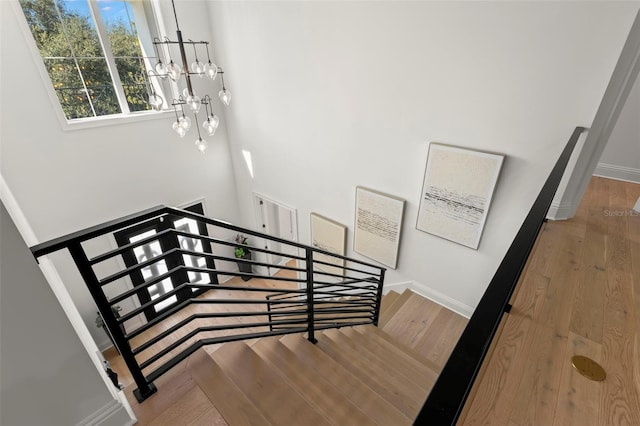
pixel 221 72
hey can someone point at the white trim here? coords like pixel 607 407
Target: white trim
pixel 559 211
pixel 611 171
pixel 431 294
pixel 105 413
pixel 636 208
pixel 59 290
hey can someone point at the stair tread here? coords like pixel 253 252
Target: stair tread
pixel 387 300
pixel 394 307
pixel 407 403
pixel 369 401
pixel 438 342
pixel 371 330
pixel 395 354
pixel 381 362
pixel 410 323
pixel 264 387
pixel 311 385
pixel 229 400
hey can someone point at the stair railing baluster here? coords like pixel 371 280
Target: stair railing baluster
pixel 310 307
pixel 376 314
pixel 145 389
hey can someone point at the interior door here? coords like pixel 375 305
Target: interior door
pixel 276 220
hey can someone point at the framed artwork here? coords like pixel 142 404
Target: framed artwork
pixel 456 193
pixel 330 236
pixel 378 224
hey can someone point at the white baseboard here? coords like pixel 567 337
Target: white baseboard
pixel 559 211
pixel 433 295
pixel 112 413
pixel 611 171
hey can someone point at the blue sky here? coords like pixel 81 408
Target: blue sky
pixel 111 10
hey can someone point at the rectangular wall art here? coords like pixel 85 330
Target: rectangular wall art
pixel 456 193
pixel 330 236
pixel 378 225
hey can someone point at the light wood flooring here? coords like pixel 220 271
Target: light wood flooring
pixel 580 295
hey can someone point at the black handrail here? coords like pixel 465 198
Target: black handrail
pixel 328 299
pixel 448 395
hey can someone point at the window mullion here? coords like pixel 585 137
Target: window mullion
pixel 74 57
pixel 108 54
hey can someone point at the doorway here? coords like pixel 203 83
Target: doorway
pixel 156 248
pixel 277 220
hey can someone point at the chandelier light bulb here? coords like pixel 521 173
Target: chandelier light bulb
pixel 194 103
pixel 201 144
pixel 174 71
pixel 211 124
pixel 198 68
pixel 179 129
pixel 207 126
pixel 215 120
pixel 161 69
pixel 225 96
pixel 211 70
pixel 185 123
pixel 156 101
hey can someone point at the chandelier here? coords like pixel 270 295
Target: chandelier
pixel 188 102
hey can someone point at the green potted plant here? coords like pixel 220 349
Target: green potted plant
pixel 241 251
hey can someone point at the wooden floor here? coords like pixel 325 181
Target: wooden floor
pixel 580 295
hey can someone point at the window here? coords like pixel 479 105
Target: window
pixel 93 53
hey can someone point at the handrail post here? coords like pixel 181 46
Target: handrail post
pixel 310 304
pixel 145 389
pixel 376 315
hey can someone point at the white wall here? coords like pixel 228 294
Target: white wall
pixel 47 376
pixel 65 181
pixel 621 157
pixel 330 95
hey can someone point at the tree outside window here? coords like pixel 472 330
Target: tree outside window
pixel 92 53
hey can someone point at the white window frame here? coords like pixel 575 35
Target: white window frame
pixel 104 120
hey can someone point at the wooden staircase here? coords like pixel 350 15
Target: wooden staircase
pixel 359 375
pixel 354 375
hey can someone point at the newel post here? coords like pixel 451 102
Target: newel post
pixel 145 389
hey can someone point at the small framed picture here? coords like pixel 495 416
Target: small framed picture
pixel 378 224
pixel 331 236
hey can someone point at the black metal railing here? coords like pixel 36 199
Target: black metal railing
pixel 313 289
pixel 449 394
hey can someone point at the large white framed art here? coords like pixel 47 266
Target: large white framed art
pixel 331 236
pixel 456 193
pixel 378 224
